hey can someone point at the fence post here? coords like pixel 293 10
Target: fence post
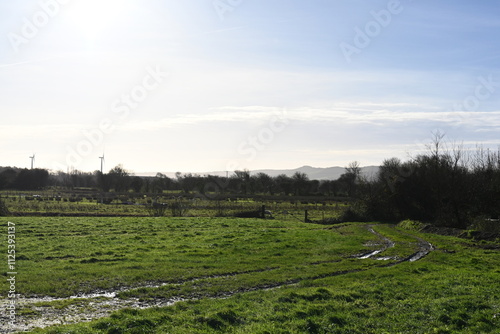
pixel 306 219
pixel 263 211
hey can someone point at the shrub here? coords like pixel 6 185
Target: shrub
pixel 158 209
pixel 179 207
pixel 4 211
pixel 486 224
pixel 248 214
pixel 413 225
pixel 353 214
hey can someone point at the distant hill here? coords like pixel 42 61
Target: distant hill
pixel 317 173
pixel 314 173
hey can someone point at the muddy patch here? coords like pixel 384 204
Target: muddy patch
pixel 383 244
pixel 423 248
pixel 40 312
pixel 44 312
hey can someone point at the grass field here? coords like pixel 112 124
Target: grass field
pixel 139 205
pixel 248 276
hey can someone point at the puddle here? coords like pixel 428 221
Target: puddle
pixel 96 295
pixel 102 303
pixel 92 309
pixel 93 306
pixel 386 243
pixel 425 248
pixel 369 255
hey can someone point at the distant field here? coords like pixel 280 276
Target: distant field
pixel 51 203
pixel 236 275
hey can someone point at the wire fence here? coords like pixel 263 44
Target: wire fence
pixel 174 206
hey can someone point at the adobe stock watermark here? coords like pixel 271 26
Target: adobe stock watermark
pixel 249 148
pixel 371 30
pixel 120 110
pixel 222 7
pixel 258 142
pixel 397 175
pixel 32 26
pixel 484 89
pixel 11 308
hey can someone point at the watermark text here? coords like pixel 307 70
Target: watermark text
pixel 11 309
pixel 31 27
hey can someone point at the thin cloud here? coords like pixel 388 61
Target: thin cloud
pixel 8 133
pixel 28 62
pixel 378 114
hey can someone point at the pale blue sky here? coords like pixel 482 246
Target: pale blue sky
pixel 232 84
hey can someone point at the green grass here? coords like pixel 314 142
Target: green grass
pixel 70 256
pixel 24 203
pixel 323 287
pixel 412 225
pixel 432 296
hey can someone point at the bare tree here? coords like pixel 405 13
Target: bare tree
pixel 354 168
pixel 436 142
pixel 351 177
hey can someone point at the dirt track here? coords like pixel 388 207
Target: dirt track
pixel 102 304
pixel 424 248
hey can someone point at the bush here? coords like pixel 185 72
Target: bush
pixel 179 207
pixel 4 211
pixel 158 209
pixel 353 214
pixel 413 225
pixel 248 214
pixel 350 214
pixel 485 224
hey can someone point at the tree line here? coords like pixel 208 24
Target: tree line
pixel 119 179
pixel 446 186
pixel 24 179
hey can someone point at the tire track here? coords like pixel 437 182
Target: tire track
pixel 423 247
pixel 102 304
pixel 386 243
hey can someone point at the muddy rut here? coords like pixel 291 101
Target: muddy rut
pixel 101 304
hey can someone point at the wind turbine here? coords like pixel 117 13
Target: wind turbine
pixel 32 160
pixel 102 162
pixel 102 176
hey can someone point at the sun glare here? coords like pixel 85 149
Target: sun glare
pixel 95 18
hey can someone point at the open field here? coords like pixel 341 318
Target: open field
pixel 91 203
pixel 209 275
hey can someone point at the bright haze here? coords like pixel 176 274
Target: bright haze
pixel 204 85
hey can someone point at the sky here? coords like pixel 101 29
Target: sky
pixel 216 85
